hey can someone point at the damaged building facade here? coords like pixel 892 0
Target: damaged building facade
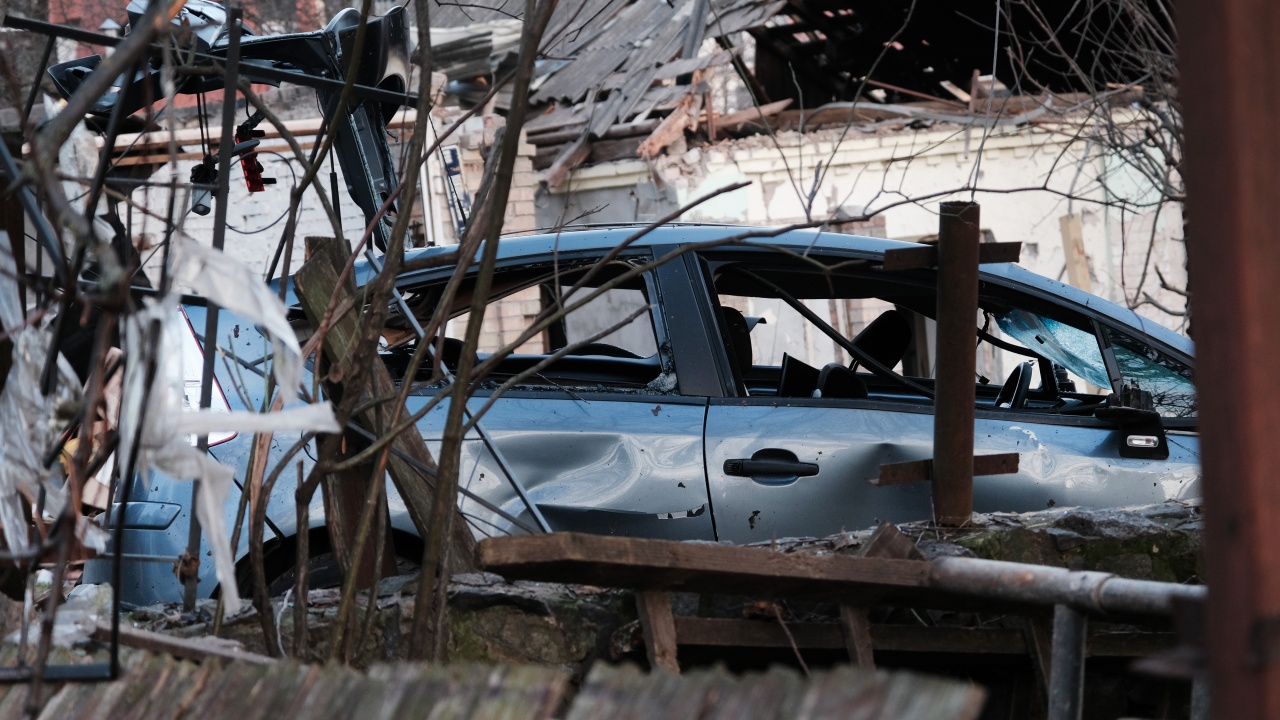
pixel 861 118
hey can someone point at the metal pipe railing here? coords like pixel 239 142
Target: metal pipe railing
pixel 1096 593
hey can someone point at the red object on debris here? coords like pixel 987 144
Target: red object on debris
pixel 247 133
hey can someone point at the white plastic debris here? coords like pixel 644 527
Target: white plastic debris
pixel 233 286
pixel 76 619
pixel 165 426
pixel 27 417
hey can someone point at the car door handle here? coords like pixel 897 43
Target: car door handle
pixel 770 466
pixel 747 468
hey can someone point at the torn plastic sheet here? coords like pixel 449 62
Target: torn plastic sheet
pixel 28 418
pixel 232 285
pixel 318 417
pixel 164 428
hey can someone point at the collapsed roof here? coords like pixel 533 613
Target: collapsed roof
pixel 624 78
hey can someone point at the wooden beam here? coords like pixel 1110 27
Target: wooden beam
pixel 889 542
pixel 857 636
pixel 672 127
pixel 756 114
pixel 886 542
pixel 697 567
pixel 570 157
pixel 926 256
pixel 622 130
pixel 1073 251
pixel 658 626
pixel 921 470
pixel 196 649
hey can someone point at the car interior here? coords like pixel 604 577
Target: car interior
pixel 882 359
pixel 609 342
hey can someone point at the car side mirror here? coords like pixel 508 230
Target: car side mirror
pixel 1141 430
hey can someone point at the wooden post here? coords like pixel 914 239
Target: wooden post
pixel 659 628
pixel 954 395
pixel 1230 79
pixel 886 542
pixel 1073 252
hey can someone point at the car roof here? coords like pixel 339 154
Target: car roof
pixel 595 238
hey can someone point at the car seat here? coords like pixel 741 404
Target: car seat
pixel 886 339
pixel 837 381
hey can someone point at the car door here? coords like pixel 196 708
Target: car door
pixel 598 439
pixel 783 463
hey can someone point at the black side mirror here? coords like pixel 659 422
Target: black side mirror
pixel 1133 413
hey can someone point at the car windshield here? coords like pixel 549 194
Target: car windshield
pixel 1068 346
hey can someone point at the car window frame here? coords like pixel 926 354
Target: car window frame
pixel 578 258
pixel 1097 322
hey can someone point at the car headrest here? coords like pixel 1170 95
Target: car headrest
pixel 739 337
pixel 886 339
pixel 837 381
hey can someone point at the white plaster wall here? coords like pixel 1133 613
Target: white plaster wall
pixel 250 236
pixel 1027 176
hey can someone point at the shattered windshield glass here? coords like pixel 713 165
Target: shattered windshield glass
pixel 1171 384
pixel 1070 347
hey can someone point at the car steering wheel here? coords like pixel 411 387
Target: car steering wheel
pixel 1015 388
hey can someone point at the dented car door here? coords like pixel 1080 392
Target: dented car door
pixel 597 438
pixel 784 459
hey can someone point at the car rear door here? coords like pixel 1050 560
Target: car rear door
pixel 599 439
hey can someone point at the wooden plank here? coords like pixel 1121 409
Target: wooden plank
pixel 857 636
pixel 922 470
pixel 610 150
pixel 570 157
pixel 698 567
pixel 846 692
pixel 886 542
pixel 197 649
pixel 658 626
pixel 671 128
pixel 999 252
pixel 889 542
pixel 1073 252
pixel 915 258
pixel 732 121
pixel 621 130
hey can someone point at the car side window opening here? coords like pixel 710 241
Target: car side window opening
pixel 1170 382
pixel 778 307
pixel 610 343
